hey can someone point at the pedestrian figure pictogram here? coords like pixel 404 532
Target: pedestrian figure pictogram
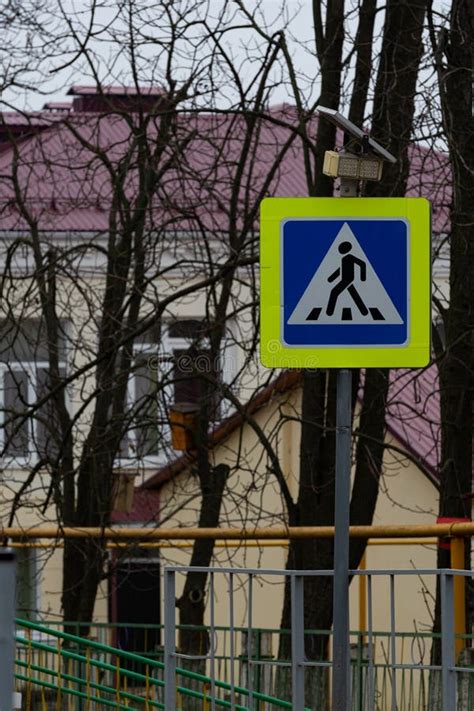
pixel 345 289
pixel 347 273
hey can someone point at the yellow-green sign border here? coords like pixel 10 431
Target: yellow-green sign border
pixel 415 353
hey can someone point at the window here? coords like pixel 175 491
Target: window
pixel 142 437
pixel 26 431
pixel 172 364
pixel 142 427
pixel 194 374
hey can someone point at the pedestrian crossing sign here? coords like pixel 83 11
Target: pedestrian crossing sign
pixel 345 282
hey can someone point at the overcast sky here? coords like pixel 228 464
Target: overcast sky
pixel 294 15
pixel 61 65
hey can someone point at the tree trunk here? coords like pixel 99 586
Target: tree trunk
pixel 457 366
pixel 315 506
pixel 363 71
pixel 82 572
pixel 84 559
pixel 392 125
pixel 192 603
pixel 328 42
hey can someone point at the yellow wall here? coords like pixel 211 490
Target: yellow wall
pixel 406 496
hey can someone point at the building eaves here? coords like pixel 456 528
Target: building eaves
pixel 412 418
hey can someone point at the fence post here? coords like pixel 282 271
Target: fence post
pixel 447 642
pixel 170 641
pixel 297 642
pixel 363 598
pixel 7 627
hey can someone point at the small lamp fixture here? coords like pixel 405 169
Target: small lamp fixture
pixel 366 163
pixel 352 167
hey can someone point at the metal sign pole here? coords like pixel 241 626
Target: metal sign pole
pixel 341 658
pixel 7 627
pixel 341 682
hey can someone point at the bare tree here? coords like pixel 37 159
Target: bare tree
pixel 392 121
pixel 173 172
pixel 163 181
pixel 452 48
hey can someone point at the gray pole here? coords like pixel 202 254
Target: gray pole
pixel 341 683
pixel 170 641
pixel 341 660
pixel 7 627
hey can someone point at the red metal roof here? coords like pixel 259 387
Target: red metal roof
pixel 68 187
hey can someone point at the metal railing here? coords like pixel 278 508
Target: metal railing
pixel 59 668
pixel 412 684
pixel 379 678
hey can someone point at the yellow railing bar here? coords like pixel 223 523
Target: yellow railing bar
pixel 29 690
pixel 70 685
pixel 422 541
pixel 117 682
pixel 206 704
pixel 240 534
pixel 59 677
pixel 88 679
pixel 147 687
pixel 457 563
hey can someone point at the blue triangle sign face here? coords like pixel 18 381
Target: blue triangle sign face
pixel 345 289
pixel 345 282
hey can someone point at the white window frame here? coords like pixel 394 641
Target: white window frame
pixel 132 461
pixel 31 369
pixel 164 351
pixel 171 344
